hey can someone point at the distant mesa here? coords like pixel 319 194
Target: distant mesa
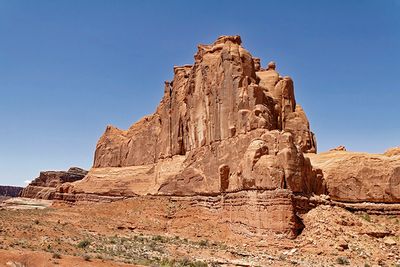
pixel 10 191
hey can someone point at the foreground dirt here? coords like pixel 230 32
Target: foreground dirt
pixel 20 258
pixel 162 232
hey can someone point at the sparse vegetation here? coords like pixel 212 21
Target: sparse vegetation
pixel 185 262
pixel 366 217
pixel 203 243
pixel 282 257
pixel 86 257
pixel 342 261
pixel 56 255
pixel 83 244
pixel 77 237
pixel 159 238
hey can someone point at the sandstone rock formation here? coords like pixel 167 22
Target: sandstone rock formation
pixel 224 111
pixel 213 114
pixel 44 186
pixel 224 94
pixel 394 151
pixel 339 148
pixel 10 191
pixel 227 134
pixel 360 177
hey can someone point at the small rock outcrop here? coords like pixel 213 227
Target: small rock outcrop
pixel 339 148
pixel 44 186
pixel 394 151
pixel 360 177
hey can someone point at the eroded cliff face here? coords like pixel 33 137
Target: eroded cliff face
pixel 44 186
pixel 224 94
pixel 228 135
pixel 224 125
pixel 357 177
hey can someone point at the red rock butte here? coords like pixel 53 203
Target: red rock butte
pixel 229 136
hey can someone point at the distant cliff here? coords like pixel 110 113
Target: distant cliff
pixel 10 191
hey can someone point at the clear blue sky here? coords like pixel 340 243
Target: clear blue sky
pixel 68 68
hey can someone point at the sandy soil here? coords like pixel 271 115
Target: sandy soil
pixel 19 258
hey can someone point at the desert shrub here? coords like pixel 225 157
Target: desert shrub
pixel 198 264
pixel 86 257
pixel 342 261
pixel 282 257
pixel 159 238
pixel 203 243
pixel 166 263
pixel 185 262
pixel 366 217
pixel 56 255
pixel 83 244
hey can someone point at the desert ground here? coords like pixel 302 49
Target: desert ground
pixel 151 231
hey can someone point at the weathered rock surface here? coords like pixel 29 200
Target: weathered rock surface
pixel 394 151
pixel 339 148
pixel 225 129
pixel 229 135
pixel 44 186
pixel 222 112
pixel 224 125
pixel 223 95
pixel 360 177
pixel 10 191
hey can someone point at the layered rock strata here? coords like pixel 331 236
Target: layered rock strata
pixel 356 177
pixel 44 186
pixel 228 135
pixel 224 125
pixel 224 94
pixel 226 131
